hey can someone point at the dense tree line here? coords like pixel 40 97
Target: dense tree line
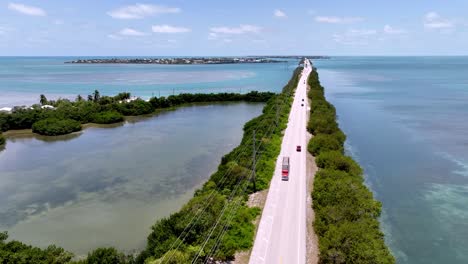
pixel 54 126
pixel 15 252
pixel 19 253
pixel 2 140
pixel 107 109
pixel 346 214
pixel 234 171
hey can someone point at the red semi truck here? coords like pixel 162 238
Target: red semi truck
pixel 285 169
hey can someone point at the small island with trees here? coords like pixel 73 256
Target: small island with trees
pixel 63 116
pixel 188 60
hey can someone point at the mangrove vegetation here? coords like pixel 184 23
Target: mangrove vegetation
pixel 62 116
pixel 346 214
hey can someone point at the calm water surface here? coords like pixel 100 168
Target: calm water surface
pixel 23 79
pixel 107 186
pixel 406 121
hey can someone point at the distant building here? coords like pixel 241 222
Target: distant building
pixel 6 109
pixel 47 107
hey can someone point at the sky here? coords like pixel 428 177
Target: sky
pixel 240 27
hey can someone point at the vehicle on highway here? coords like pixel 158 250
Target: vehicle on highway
pixel 285 169
pixel 302 104
pixel 302 99
pixel 298 148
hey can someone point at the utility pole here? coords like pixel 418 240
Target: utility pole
pixel 254 162
pixel 159 93
pixel 173 91
pixel 277 113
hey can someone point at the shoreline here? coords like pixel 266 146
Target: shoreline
pixel 27 133
pixel 345 208
pixel 177 61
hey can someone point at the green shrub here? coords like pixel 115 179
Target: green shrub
pixel 134 108
pixel 55 127
pixel 2 140
pixel 340 197
pixel 322 124
pixel 17 252
pixel 106 256
pixel 324 142
pixel 335 160
pixel 358 242
pixel 108 117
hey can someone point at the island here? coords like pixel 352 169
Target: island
pixel 193 60
pixel 299 57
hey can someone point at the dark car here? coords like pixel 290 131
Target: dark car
pixel 298 148
pixel 302 104
pixel 302 99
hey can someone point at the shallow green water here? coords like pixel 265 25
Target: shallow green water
pixel 107 186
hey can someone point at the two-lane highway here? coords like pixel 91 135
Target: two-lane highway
pixel 281 236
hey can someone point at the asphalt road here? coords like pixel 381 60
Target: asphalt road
pixel 281 236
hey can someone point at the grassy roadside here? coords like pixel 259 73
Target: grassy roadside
pixel 346 214
pixel 217 222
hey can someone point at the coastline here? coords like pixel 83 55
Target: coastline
pixel 63 116
pixel 345 208
pixel 27 133
pixel 177 61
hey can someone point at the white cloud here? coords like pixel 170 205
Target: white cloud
pixel 279 13
pixel 27 10
pixel 362 32
pixel 355 36
pixel 138 11
pixel 4 30
pixel 131 32
pixel 432 20
pixel 169 29
pixel 242 29
pixel 338 20
pixel 393 31
pixel 113 36
pixel 212 35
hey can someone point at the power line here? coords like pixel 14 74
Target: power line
pixel 226 206
pixel 228 223
pixel 210 198
pixel 199 212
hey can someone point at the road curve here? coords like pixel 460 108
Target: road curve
pixel 281 235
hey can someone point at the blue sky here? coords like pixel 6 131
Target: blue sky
pixel 209 27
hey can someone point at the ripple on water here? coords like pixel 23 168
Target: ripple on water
pixel 449 203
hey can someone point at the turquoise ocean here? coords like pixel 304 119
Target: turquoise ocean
pixel 406 122
pixel 23 79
